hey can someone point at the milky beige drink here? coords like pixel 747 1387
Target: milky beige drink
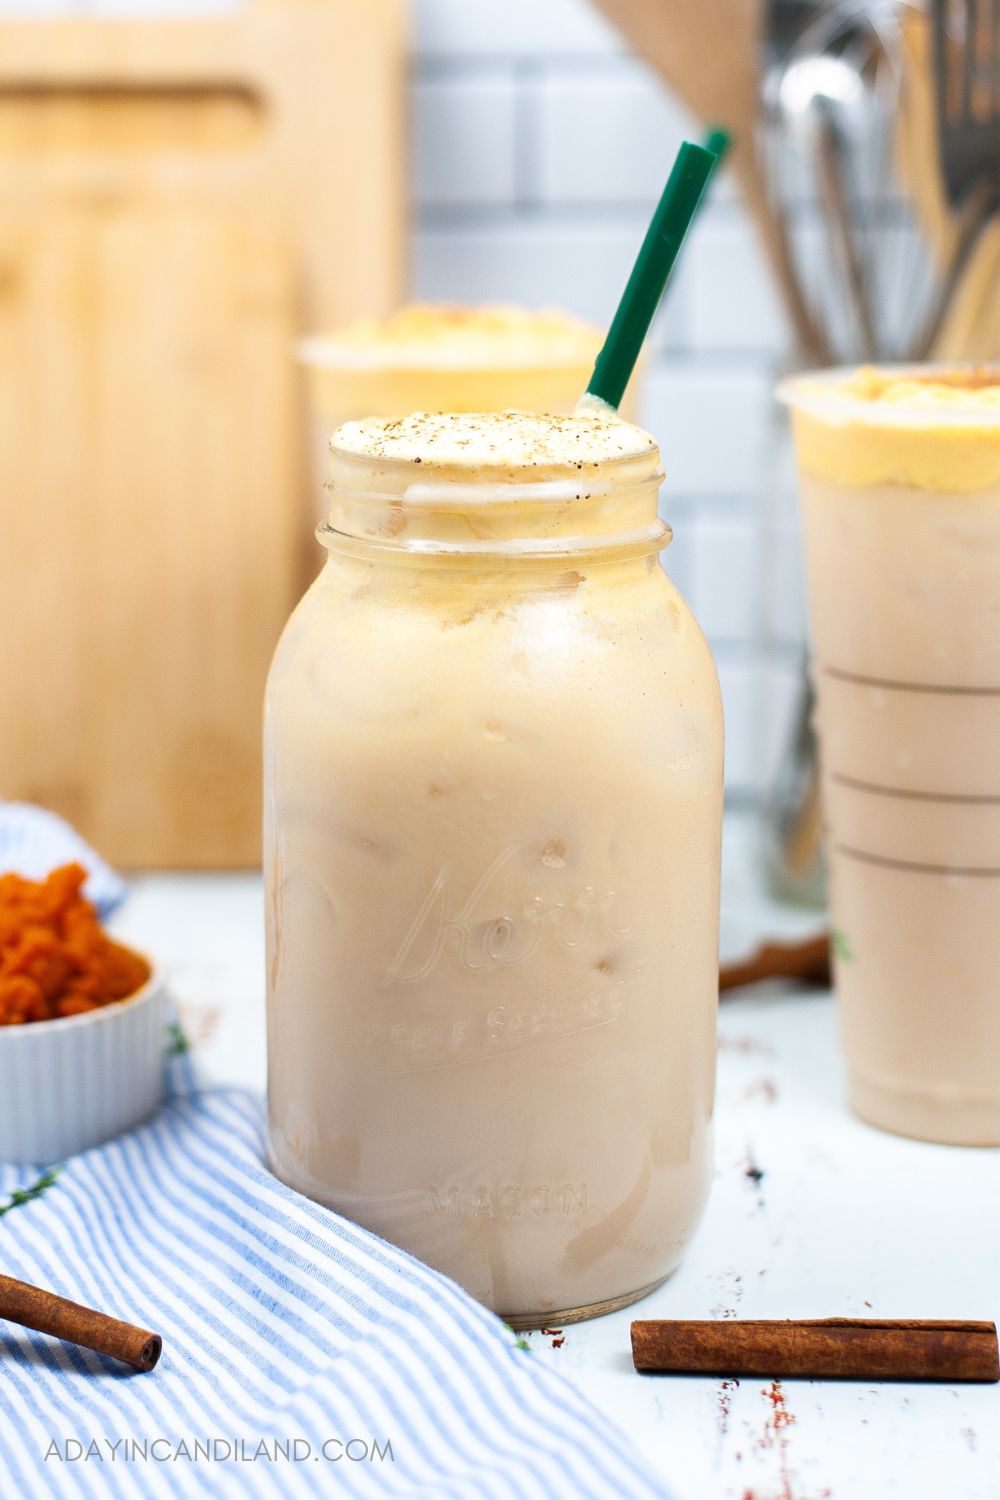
pixel 901 496
pixel 493 803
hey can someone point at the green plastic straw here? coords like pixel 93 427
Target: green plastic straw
pixel 718 141
pixel 655 261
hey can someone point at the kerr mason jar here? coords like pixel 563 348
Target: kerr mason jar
pixel 493 812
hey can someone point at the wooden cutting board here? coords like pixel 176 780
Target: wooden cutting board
pixel 178 200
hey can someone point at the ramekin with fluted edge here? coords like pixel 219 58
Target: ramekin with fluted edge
pixel 70 1084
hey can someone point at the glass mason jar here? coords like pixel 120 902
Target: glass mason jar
pixel 493 791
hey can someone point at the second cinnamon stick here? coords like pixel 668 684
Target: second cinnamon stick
pixel 838 1348
pixel 807 961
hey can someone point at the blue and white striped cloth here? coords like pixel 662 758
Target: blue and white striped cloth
pixel 302 1355
pixel 287 1331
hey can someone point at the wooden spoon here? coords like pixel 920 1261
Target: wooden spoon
pixel 708 54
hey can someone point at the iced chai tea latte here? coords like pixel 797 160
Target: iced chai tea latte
pixel 900 481
pixel 493 807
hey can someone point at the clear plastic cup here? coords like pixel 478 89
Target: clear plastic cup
pixel 900 489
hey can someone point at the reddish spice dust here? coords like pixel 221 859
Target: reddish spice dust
pixel 780 1417
pixel 56 960
pixel 775 1436
pixel 724 1397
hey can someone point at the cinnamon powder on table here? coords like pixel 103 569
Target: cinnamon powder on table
pixel 56 959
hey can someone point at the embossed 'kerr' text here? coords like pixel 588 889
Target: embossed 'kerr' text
pixel 511 1201
pixel 480 936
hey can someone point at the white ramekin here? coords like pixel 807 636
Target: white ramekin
pixel 70 1084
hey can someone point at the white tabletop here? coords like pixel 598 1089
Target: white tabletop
pixel 812 1214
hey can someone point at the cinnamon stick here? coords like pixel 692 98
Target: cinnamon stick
pixel 808 961
pixel 33 1307
pixel 841 1348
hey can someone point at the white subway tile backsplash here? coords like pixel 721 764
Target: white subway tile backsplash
pixel 577 267
pixel 783 592
pixel 760 697
pixel 464 141
pixel 606 137
pixel 711 424
pixel 783 587
pixel 581 267
pixel 676 558
pixel 734 302
pixel 737 681
pixel 723 577
pixel 519 28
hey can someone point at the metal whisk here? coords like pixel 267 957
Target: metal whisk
pixel 878 288
pixel 967 92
